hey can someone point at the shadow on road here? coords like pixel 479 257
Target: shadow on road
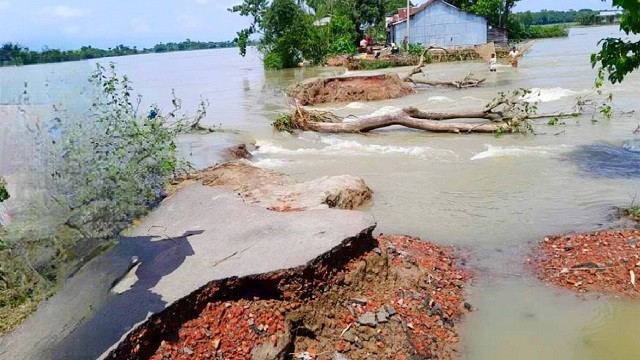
pixel 158 258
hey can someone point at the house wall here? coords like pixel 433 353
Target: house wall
pixel 498 36
pixel 443 25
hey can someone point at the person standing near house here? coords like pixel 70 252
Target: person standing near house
pixel 493 63
pixel 513 55
pixel 363 45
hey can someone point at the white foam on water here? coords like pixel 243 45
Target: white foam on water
pixel 549 94
pixel 440 99
pixel 385 111
pixel 357 105
pixel 338 146
pixel 632 145
pixel 270 163
pixel 516 151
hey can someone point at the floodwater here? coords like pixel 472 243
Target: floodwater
pixel 494 196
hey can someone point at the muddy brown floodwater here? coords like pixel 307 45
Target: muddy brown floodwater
pixel 496 196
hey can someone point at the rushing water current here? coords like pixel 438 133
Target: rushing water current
pixel 494 196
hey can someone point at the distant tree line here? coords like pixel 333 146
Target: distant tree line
pixel 16 54
pixel 546 17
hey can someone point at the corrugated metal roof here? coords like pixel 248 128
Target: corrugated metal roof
pixel 401 16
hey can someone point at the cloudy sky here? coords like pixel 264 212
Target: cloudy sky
pixel 72 23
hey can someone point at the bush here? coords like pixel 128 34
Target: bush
pixel 113 165
pixel 273 61
pixel 341 36
pixel 4 194
pixel 376 64
pixel 633 212
pixel 341 46
pixel 415 50
pixel 547 31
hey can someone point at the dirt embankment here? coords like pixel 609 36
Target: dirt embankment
pixel 605 262
pixel 388 61
pixel 393 297
pixel 354 88
pixel 279 192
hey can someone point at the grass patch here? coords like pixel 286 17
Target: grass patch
pixel 377 64
pixel 33 270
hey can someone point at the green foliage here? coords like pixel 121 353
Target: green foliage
pixel 546 31
pixel 515 109
pixel 547 17
pixel 393 5
pixel 376 64
pixel 287 30
pixel 273 61
pixel 4 194
pixel 415 50
pixel 113 165
pixel 282 123
pixel 586 18
pixel 16 54
pixel 341 36
pixel 620 57
pixel 633 212
pixel 605 107
pixel 31 269
pixel 342 46
pixel 497 12
pixel 362 13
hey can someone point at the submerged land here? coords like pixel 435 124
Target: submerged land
pixel 243 262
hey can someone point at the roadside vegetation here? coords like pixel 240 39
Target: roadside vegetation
pixel 4 194
pixel 108 167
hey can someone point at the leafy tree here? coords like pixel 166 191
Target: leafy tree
pixel 288 32
pixel 393 6
pixel 497 12
pixel 341 36
pixel 362 13
pixel 620 57
pixel 254 9
pixel 586 17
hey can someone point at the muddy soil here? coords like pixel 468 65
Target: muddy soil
pixel 349 89
pixel 387 61
pixel 279 192
pixel 603 262
pixel 395 297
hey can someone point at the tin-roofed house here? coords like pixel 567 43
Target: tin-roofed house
pixel 438 23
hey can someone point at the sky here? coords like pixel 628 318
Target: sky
pixel 70 24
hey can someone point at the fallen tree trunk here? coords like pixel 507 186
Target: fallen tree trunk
pixel 433 122
pixel 366 125
pixel 461 84
pixel 508 112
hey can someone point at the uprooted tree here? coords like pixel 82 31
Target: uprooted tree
pixel 507 113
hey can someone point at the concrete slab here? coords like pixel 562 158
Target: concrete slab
pixel 198 235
